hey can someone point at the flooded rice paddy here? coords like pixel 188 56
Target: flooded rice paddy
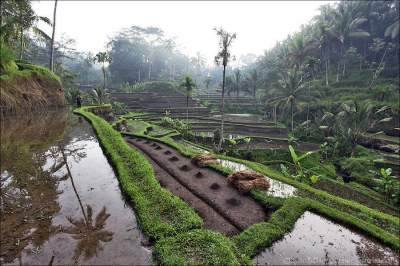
pixel 316 240
pixel 60 199
pixel 277 188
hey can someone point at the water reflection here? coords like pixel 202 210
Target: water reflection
pixel 60 200
pixel 277 188
pixel 316 240
pixel 28 193
pixel 89 233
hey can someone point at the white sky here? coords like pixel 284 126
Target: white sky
pixel 258 24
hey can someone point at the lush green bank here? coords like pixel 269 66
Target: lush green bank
pixel 166 219
pixel 373 222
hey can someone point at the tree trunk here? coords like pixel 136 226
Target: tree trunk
pixel 187 109
pixel 150 70
pixel 337 72
pixel 21 39
pixel 378 70
pixel 326 73
pixel 221 139
pixel 104 77
pixel 291 112
pixel 52 37
pixel 344 69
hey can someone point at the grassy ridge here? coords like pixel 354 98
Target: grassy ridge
pixel 165 218
pixel 160 213
pixel 262 235
pixel 351 213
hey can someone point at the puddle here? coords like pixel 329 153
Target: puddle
pixel 277 189
pixel 60 199
pixel 316 240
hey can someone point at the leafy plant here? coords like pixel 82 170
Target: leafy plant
pixel 301 173
pixel 119 108
pixel 389 186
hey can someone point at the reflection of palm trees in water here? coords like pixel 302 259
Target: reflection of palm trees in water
pixel 89 233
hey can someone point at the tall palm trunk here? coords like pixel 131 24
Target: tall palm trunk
pixel 291 113
pixel 21 38
pixel 221 139
pixel 52 37
pixel 104 76
pixel 337 71
pixel 187 109
pixel 326 72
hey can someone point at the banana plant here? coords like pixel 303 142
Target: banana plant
pixel 300 173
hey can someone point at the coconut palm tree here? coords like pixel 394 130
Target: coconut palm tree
pixel 346 25
pixel 288 90
pixel 223 57
pixel 188 84
pixel 25 18
pixel 103 58
pixel 100 95
pixel 353 120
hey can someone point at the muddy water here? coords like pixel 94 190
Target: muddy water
pixel 60 199
pixel 316 240
pixel 277 188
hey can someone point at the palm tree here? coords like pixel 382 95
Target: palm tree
pixel 346 25
pixel 52 37
pixel 353 120
pixel 223 57
pixel 103 58
pixel 26 19
pixel 100 95
pixel 289 89
pixel 188 84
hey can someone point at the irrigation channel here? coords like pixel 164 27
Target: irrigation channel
pixel 60 199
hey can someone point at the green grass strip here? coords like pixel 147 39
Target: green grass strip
pixel 198 247
pixel 165 218
pixel 160 213
pixel 259 236
pixel 372 219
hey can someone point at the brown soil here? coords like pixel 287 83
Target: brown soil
pixel 244 181
pixel 30 93
pixel 203 160
pixel 222 202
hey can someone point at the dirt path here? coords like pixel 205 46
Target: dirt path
pixel 221 206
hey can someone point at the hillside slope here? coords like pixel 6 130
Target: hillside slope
pixel 25 87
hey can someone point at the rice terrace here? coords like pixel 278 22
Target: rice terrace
pixel 199 133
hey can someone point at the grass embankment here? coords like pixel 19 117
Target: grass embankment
pixel 166 219
pixel 26 86
pixel 344 211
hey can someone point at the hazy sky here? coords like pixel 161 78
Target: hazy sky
pixel 258 24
